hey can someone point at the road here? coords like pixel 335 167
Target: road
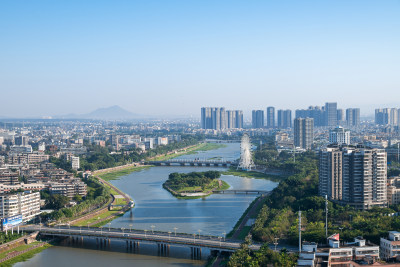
pixel 211 242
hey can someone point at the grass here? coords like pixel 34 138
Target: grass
pixel 244 232
pixel 113 175
pixel 120 201
pixel 25 256
pixel 230 234
pixel 213 185
pixel 102 223
pixel 95 218
pixel 209 146
pixel 252 174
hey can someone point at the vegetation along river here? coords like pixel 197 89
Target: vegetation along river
pixel 155 206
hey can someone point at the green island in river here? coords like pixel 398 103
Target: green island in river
pixel 195 184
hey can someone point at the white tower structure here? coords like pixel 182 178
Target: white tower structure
pixel 246 160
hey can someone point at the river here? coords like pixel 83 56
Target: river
pixel 214 215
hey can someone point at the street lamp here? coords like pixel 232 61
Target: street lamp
pixel 145 231
pixel 101 230
pixel 276 242
pixel 224 233
pixel 122 229
pixel 194 238
pixel 88 226
pixel 130 227
pixel 152 229
pixel 109 226
pixel 80 229
pixel 169 236
pixel 220 237
pixel 199 232
pixel 175 230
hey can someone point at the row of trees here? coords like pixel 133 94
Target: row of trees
pixel 178 181
pixel 97 196
pixel 100 157
pixel 244 257
pixel 279 215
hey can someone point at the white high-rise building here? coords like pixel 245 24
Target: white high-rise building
pixel 25 204
pixel 75 163
pixel 339 135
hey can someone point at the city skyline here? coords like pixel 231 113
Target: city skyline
pixel 172 58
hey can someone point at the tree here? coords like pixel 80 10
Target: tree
pixel 57 202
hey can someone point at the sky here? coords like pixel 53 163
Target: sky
pixel 173 57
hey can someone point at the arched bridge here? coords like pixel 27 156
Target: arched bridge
pixel 193 162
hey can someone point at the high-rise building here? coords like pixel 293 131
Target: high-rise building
pixel 339 135
pixel 213 118
pixel 331 114
pixel 284 118
pixel 303 132
pixel 21 140
pixel 234 119
pixel 353 117
pixel 270 117
pixel 384 116
pixel 356 176
pixel 25 204
pixel 314 112
pixel 340 116
pixel 257 119
pixel 219 119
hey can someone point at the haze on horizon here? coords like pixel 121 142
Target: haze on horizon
pixel 172 57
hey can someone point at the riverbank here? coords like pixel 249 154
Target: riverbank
pixel 254 174
pixel 21 249
pixel 115 174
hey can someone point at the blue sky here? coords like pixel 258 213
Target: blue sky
pixel 172 57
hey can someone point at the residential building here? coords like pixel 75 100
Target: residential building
pixel 393 190
pixel 213 118
pixel 25 204
pixel 21 149
pixel 257 119
pixel 284 119
pixel 21 140
pixel 339 135
pixel 304 132
pixel 234 119
pixel 8 177
pixel 314 112
pixel 340 116
pixel 331 114
pixel 355 176
pixel 75 163
pixel 390 247
pixel 387 116
pixel 353 117
pixel 270 117
pixel 68 189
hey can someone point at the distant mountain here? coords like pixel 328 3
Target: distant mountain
pixel 109 113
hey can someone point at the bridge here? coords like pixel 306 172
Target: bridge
pixel 133 238
pixel 234 191
pixel 193 162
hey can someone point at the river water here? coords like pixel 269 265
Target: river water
pixel 214 215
